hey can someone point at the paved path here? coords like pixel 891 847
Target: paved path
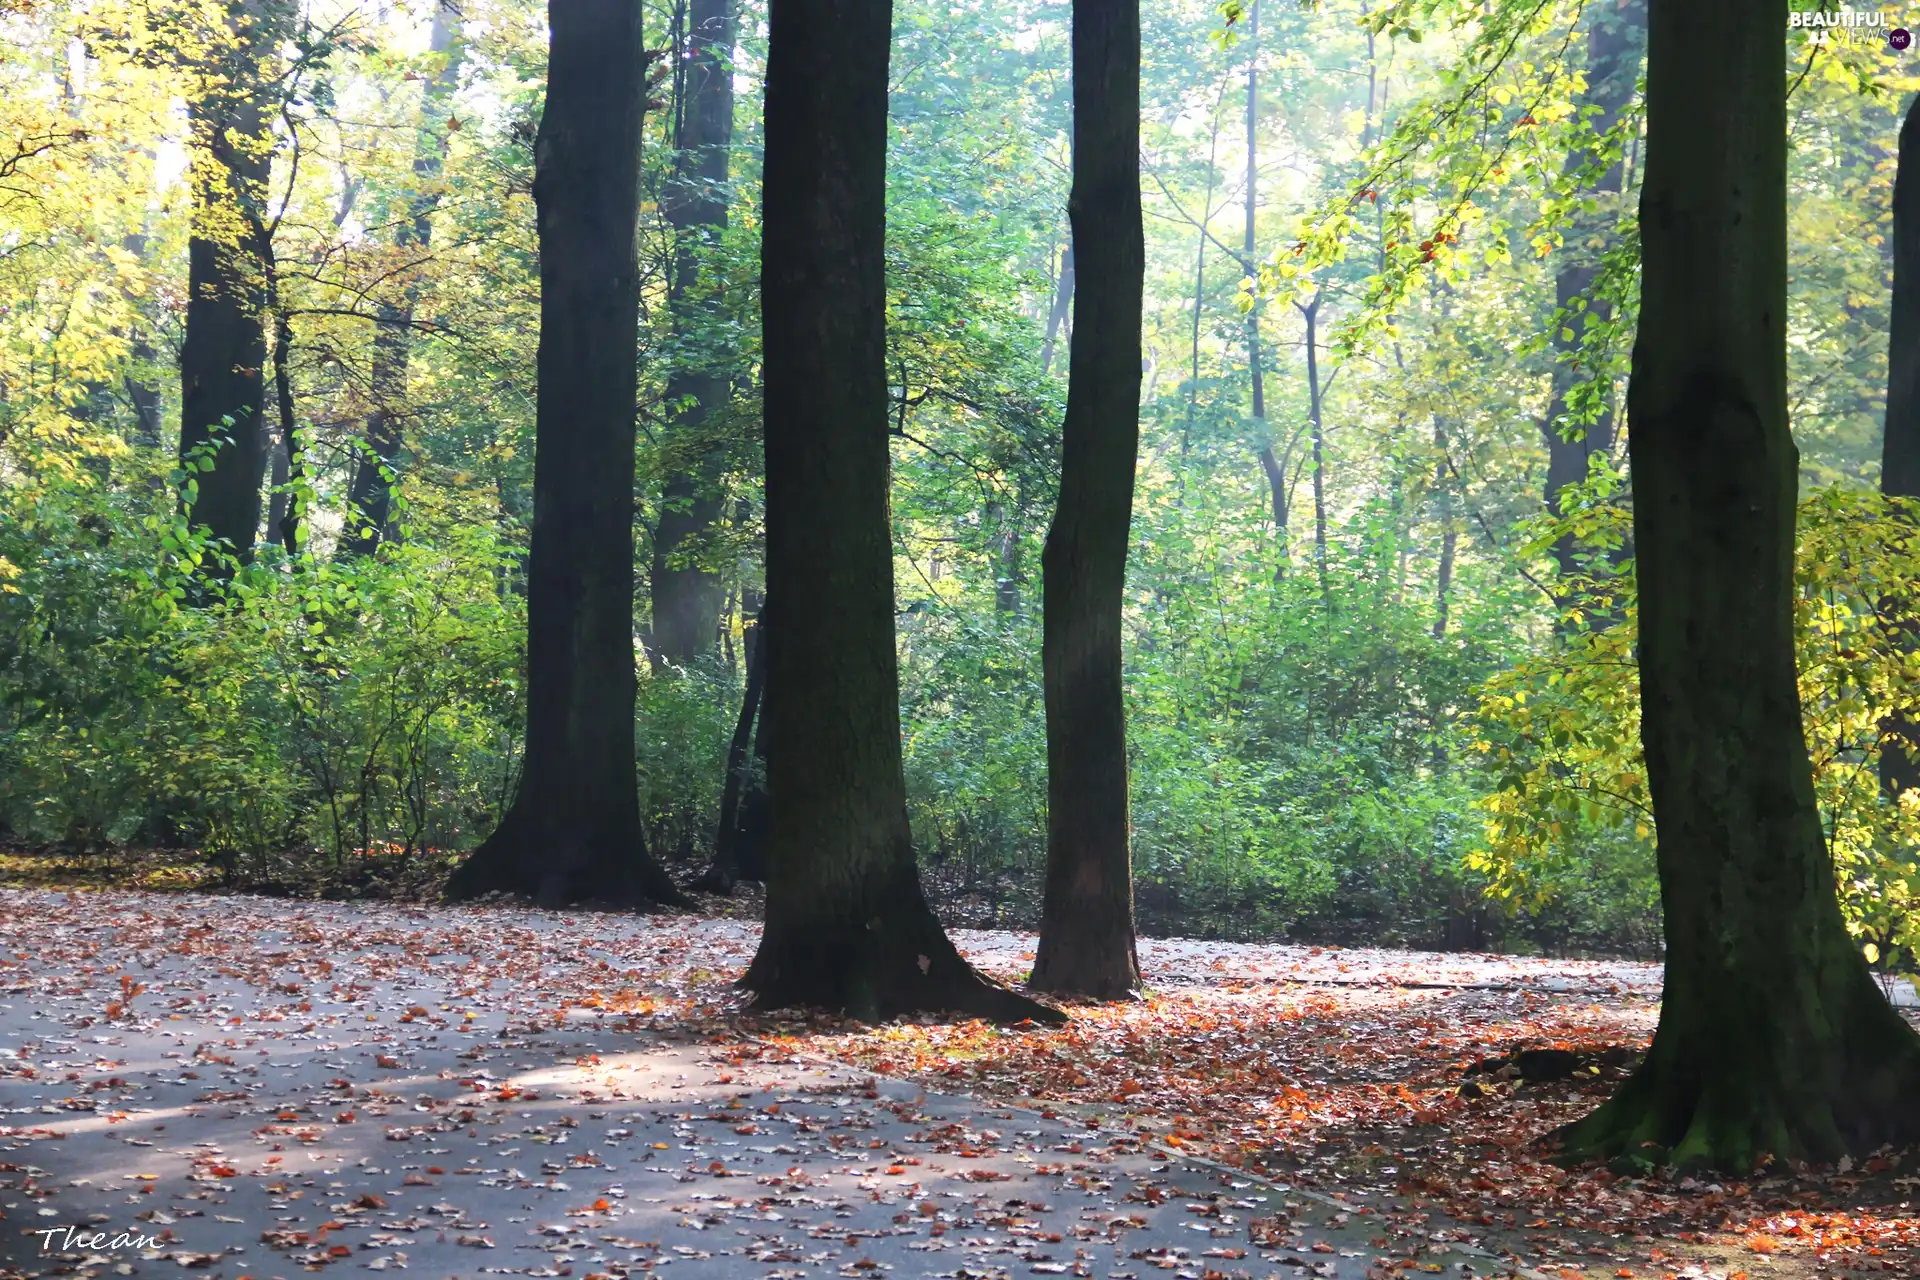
pixel 260 1089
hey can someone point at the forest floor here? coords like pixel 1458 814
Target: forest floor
pixel 259 1087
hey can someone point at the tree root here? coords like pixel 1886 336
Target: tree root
pixel 1733 1114
pixel 521 860
pixel 874 984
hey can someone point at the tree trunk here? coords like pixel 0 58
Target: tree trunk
pixel 1900 446
pixel 687 595
pixel 847 924
pixel 1310 312
pixel 1449 536
pixel 148 411
pixel 725 870
pixel 1086 928
pixel 1008 552
pixel 223 360
pixel 283 522
pixel 573 832
pixel 1773 1039
pixel 1615 34
pixel 1270 464
pixel 1062 307
pixel 370 492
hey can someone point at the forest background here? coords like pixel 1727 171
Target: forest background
pixel 1379 613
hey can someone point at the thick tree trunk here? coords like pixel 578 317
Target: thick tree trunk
pixel 1086 927
pixel 1062 309
pixel 687 594
pixel 573 832
pixel 847 924
pixel 1773 1039
pixel 223 360
pixel 1615 35
pixel 1900 445
pixel 370 492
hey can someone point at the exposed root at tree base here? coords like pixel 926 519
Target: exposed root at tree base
pixel 1732 1123
pixel 875 988
pixel 522 861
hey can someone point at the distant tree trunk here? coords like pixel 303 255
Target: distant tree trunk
pixel 1200 277
pixel 370 492
pixel 847 924
pixel 1062 309
pixel 573 832
pixel 1270 464
pixel 687 595
pixel 1900 446
pixel 725 871
pixel 223 360
pixel 1316 421
pixel 148 410
pixel 1009 549
pixel 1086 928
pixel 1615 35
pixel 283 522
pixel 1774 1040
pixel 1449 536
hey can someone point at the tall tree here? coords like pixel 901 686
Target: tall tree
pixel 732 838
pixel 847 924
pixel 687 595
pixel 1270 464
pixel 1449 532
pixel 370 492
pixel 1900 445
pixel 573 832
pixel 229 268
pixel 1086 927
pixel 1616 33
pixel 1317 430
pixel 1057 314
pixel 1773 1039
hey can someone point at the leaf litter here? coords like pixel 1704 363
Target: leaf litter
pixel 259 1087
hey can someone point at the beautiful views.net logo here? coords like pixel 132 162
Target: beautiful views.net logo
pixel 1847 26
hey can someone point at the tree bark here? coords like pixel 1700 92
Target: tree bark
pixel 370 492
pixel 223 359
pixel 1086 929
pixel 1615 34
pixel 1062 309
pixel 726 870
pixel 1270 464
pixel 283 519
pixel 1774 1040
pixel 1900 445
pixel 847 924
pixel 1310 313
pixel 687 595
pixel 573 832
pixel 1449 536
